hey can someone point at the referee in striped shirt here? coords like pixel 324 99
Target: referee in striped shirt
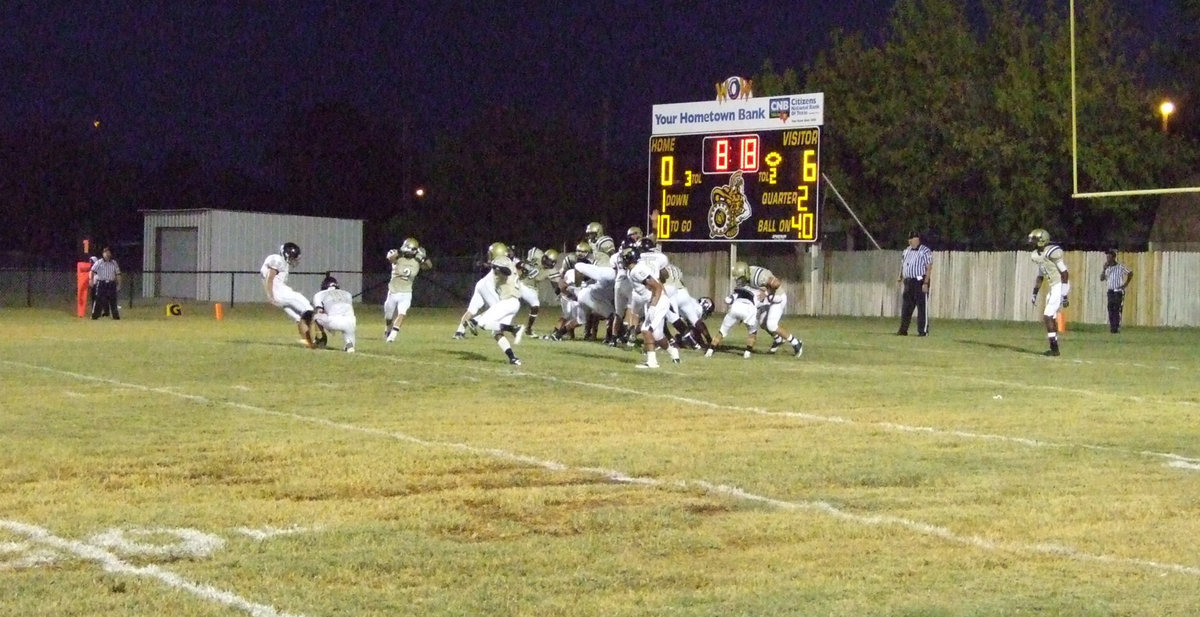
pixel 915 265
pixel 106 283
pixel 1117 275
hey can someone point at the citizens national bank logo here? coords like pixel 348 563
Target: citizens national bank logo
pixel 780 108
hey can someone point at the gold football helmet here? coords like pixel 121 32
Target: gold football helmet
pixel 1039 237
pixel 496 250
pixel 593 230
pixel 549 258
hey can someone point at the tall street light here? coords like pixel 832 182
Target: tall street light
pixel 1166 109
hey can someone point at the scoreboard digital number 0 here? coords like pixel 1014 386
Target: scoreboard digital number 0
pixel 758 185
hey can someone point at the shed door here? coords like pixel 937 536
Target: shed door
pixel 175 262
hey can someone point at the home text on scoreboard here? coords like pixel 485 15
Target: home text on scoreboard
pixel 753 181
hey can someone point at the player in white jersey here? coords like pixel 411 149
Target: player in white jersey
pixel 335 312
pixel 770 291
pixel 595 297
pixel 744 310
pixel 686 310
pixel 1049 260
pixel 624 326
pixel 407 262
pixel 645 276
pixel 274 273
pixel 484 294
pixel 498 318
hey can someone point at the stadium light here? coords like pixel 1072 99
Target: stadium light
pixel 1166 109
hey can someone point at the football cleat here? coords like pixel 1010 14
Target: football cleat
pixel 775 345
pixel 647 365
pixel 514 361
pixel 708 354
pixel 321 342
pixel 798 348
pixel 746 354
pixel 459 336
pixel 1050 352
pixel 473 327
pixel 391 337
pixel 674 360
pixel 349 348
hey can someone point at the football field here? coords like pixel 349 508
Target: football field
pixel 192 467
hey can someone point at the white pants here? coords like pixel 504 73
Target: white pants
pixel 740 312
pixel 346 325
pixel 500 314
pixel 1053 300
pixel 597 298
pixel 291 301
pixel 655 321
pixel 484 295
pixel 684 304
pixel 529 294
pixel 397 303
pixel 775 311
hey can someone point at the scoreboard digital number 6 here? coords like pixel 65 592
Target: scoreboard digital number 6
pixel 760 186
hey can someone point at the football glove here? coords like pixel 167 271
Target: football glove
pixel 1066 302
pixel 1033 299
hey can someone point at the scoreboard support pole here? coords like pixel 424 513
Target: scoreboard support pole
pixel 814 277
pixel 732 261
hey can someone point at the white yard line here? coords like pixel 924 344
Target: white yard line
pixel 111 563
pixel 822 507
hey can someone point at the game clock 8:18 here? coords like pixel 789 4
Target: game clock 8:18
pixel 745 187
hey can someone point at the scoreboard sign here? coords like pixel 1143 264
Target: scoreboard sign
pixel 745 171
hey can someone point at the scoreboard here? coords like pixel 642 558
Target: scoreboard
pixel 747 173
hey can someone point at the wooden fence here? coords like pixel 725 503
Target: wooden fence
pixel 1165 290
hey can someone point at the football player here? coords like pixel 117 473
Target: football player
pixel 335 312
pixel 645 277
pixel 531 276
pixel 1049 260
pixel 600 250
pixel 484 295
pixel 770 292
pixel 498 318
pixel 688 315
pixel 562 278
pixel 275 272
pixel 600 246
pixel 743 310
pixel 407 263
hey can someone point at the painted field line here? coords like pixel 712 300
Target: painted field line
pixel 820 507
pixel 116 565
pixel 824 419
pixel 862 368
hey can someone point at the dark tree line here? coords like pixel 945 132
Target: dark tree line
pixel 951 122
pixel 964 129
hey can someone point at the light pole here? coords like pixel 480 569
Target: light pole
pixel 1166 109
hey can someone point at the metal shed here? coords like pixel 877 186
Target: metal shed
pixel 215 255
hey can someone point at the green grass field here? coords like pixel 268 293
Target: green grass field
pixel 192 467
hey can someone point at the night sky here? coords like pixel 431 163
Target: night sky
pixel 218 78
